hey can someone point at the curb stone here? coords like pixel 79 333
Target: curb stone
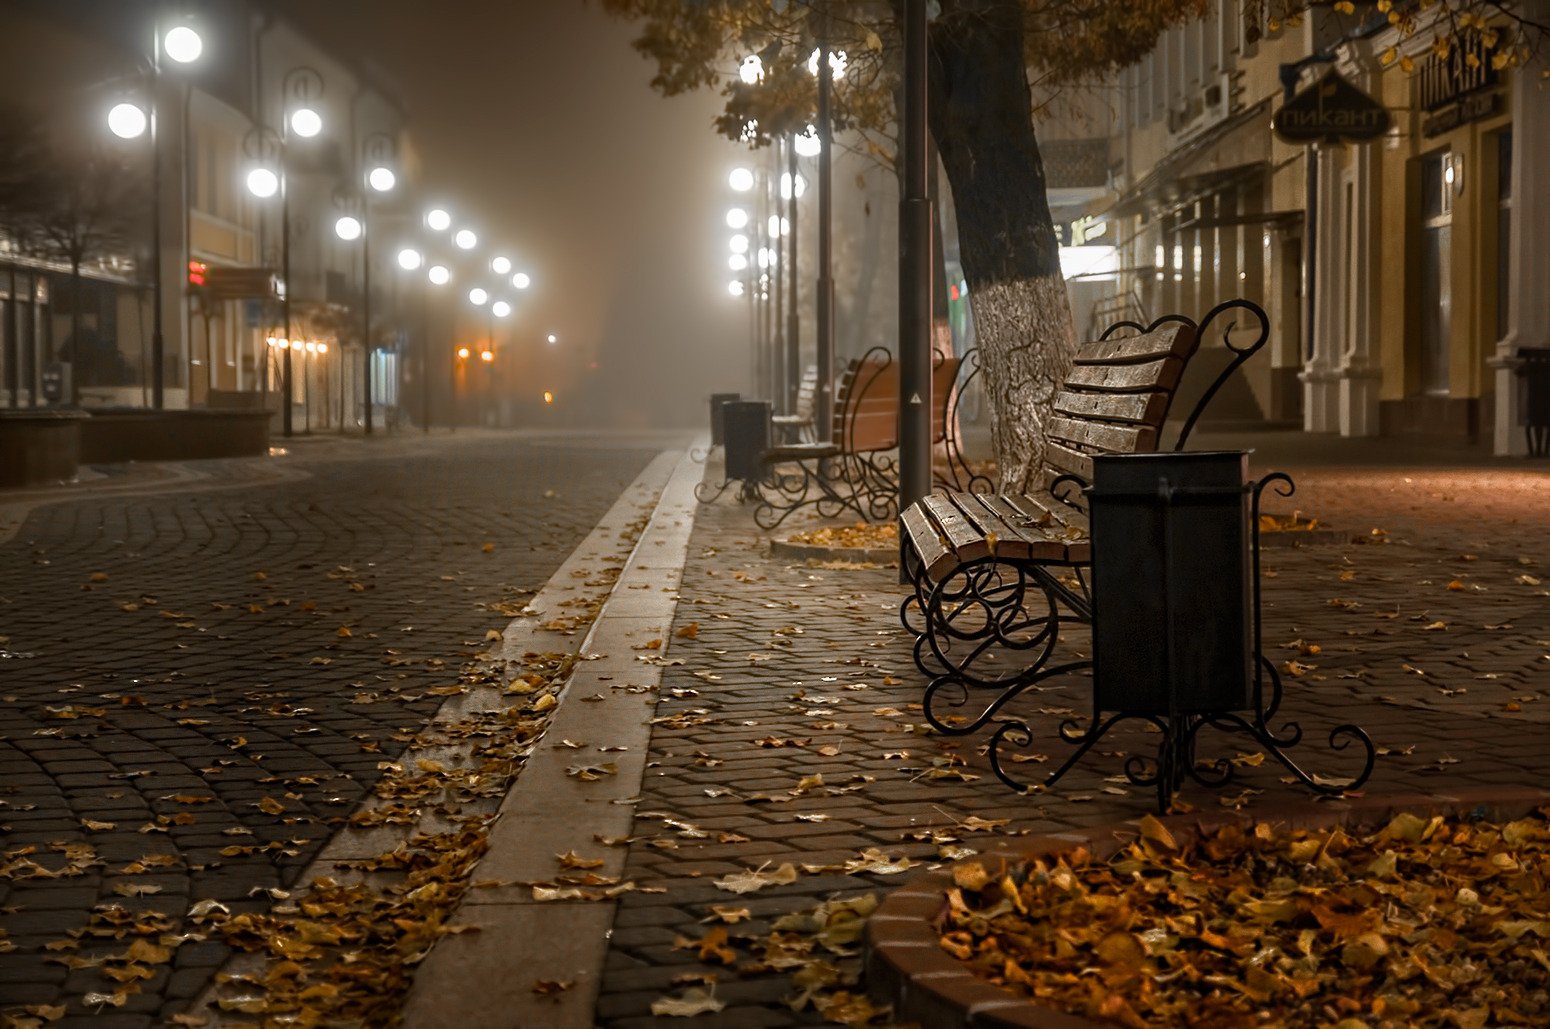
pixel 604 718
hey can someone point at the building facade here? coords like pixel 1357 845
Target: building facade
pixel 224 251
pixel 1400 275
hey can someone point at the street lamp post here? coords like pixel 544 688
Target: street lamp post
pixel 127 121
pixel 378 150
pixel 299 89
pixel 378 179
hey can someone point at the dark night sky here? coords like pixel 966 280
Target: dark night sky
pixel 537 119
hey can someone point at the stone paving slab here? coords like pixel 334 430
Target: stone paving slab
pixel 196 686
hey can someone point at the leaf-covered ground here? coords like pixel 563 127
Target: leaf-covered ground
pixel 1429 921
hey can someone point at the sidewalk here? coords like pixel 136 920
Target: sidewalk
pixel 758 747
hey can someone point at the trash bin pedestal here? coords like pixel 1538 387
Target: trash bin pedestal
pixel 1176 639
pixel 1534 398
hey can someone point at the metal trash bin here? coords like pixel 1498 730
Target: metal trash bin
pixel 1534 398
pixel 746 431
pixel 717 431
pixel 1172 583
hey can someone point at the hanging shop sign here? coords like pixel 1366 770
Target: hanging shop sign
pixel 1330 111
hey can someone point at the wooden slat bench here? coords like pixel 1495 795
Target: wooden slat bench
pixel 993 574
pixel 798 426
pixel 856 471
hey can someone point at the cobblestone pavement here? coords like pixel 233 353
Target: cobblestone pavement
pixel 199 679
pixel 791 731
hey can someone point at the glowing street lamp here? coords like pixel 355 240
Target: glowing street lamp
pixel 737 218
pixel 409 259
pixel 500 309
pixel 552 339
pixel 500 265
pixel 263 182
pixel 439 275
pixel 741 180
pixel 381 179
pixel 521 280
pixel 348 228
pixel 478 297
pixel 306 122
pixel 438 220
pixel 465 239
pixel 183 44
pixel 127 121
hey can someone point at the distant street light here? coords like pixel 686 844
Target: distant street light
pixel 500 265
pixel 183 44
pixel 521 280
pixel 127 121
pixel 737 218
pixel 552 338
pixel 478 297
pixel 465 239
pixel 381 179
pixel 737 262
pixel 837 62
pixel 500 309
pixel 439 275
pixel 348 228
pixel 263 183
pixel 741 180
pixel 739 244
pixel 306 122
pixel 735 287
pixel 438 220
pixel 409 259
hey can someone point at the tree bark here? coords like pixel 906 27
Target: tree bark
pixel 981 113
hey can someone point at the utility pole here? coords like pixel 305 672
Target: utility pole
pixel 916 217
pixel 824 415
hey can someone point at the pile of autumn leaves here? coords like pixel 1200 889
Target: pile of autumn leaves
pixel 1430 920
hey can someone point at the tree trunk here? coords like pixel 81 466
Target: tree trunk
pixel 981 114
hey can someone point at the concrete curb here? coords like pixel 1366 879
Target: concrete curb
pixel 604 717
pixel 813 552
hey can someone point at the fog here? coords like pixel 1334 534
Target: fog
pixel 536 119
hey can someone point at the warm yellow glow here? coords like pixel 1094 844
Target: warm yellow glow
pixel 486 356
pixel 322 348
pixel 548 397
pixel 462 353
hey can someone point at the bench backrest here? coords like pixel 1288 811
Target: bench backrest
pixel 866 409
pixel 866 404
pixel 1116 397
pixel 807 392
pixel 944 377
